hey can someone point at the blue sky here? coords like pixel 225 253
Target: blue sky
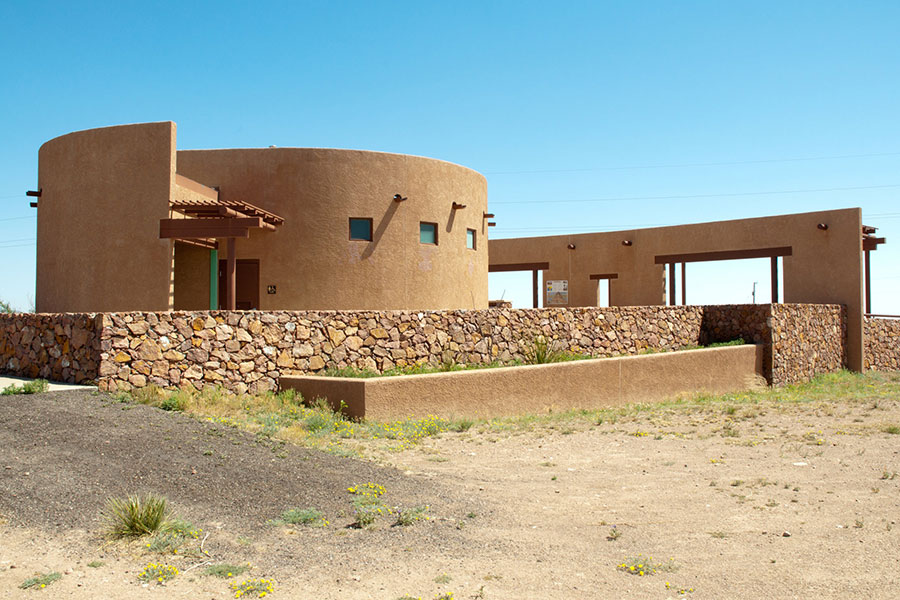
pixel 619 105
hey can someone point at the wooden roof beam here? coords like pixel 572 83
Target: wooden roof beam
pixel 663 259
pixel 518 267
pixel 207 228
pixel 871 243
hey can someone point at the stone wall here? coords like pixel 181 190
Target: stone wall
pixel 61 347
pixel 882 344
pixel 250 350
pixel 807 339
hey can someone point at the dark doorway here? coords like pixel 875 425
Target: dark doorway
pixel 246 295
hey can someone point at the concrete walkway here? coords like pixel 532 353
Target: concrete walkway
pixel 6 381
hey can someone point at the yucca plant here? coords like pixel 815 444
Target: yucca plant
pixel 137 515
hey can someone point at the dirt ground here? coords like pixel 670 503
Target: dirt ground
pixel 755 501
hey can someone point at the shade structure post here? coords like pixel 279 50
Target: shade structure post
pixel 671 268
pixel 774 280
pixel 231 276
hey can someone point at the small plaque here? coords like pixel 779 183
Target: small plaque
pixel 270 289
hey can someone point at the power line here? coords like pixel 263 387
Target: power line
pixel 17 245
pixel 18 218
pixel 693 196
pixel 17 240
pixel 687 165
pixel 586 227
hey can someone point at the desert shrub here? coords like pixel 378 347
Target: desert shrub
pixel 253 587
pixel 408 516
pixel 158 573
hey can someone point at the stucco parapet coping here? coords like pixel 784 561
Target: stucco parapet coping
pixel 538 389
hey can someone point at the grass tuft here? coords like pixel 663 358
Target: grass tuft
pixel 136 515
pixel 37 386
pixel 225 570
pixel 302 516
pixel 40 580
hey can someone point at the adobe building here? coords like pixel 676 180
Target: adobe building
pixel 127 222
pixel 825 257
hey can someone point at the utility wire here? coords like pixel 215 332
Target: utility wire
pixel 687 165
pixel 18 218
pixel 693 196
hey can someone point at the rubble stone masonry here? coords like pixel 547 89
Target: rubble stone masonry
pixel 882 344
pixel 247 351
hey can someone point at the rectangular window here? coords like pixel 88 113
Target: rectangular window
pixel 361 229
pixel 428 233
pixel 470 239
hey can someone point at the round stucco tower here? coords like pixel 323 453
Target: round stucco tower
pixel 127 222
pixel 361 230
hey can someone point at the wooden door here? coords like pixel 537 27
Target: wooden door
pixel 247 284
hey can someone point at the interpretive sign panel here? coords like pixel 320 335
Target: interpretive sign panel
pixel 557 292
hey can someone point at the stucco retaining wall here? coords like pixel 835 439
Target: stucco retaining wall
pixel 249 351
pixel 882 344
pixel 585 384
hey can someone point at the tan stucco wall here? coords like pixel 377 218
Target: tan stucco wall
pixel 825 268
pixel 311 259
pixel 103 194
pixel 588 384
pixel 191 288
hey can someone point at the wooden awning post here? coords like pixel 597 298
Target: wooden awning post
pixel 671 284
pixel 231 276
pixel 868 285
pixel 774 280
pixel 683 285
pixel 534 287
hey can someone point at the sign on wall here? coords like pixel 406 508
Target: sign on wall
pixel 557 292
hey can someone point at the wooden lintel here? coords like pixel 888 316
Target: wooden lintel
pixel 663 259
pixel 207 228
pixel 599 276
pixel 518 267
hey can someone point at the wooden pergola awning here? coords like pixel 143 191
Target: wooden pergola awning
pixel 870 242
pixel 206 219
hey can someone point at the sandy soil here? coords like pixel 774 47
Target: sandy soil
pixel 758 501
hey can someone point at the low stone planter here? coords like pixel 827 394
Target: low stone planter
pixel 506 391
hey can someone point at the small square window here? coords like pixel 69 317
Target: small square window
pixel 361 229
pixel 428 233
pixel 470 239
